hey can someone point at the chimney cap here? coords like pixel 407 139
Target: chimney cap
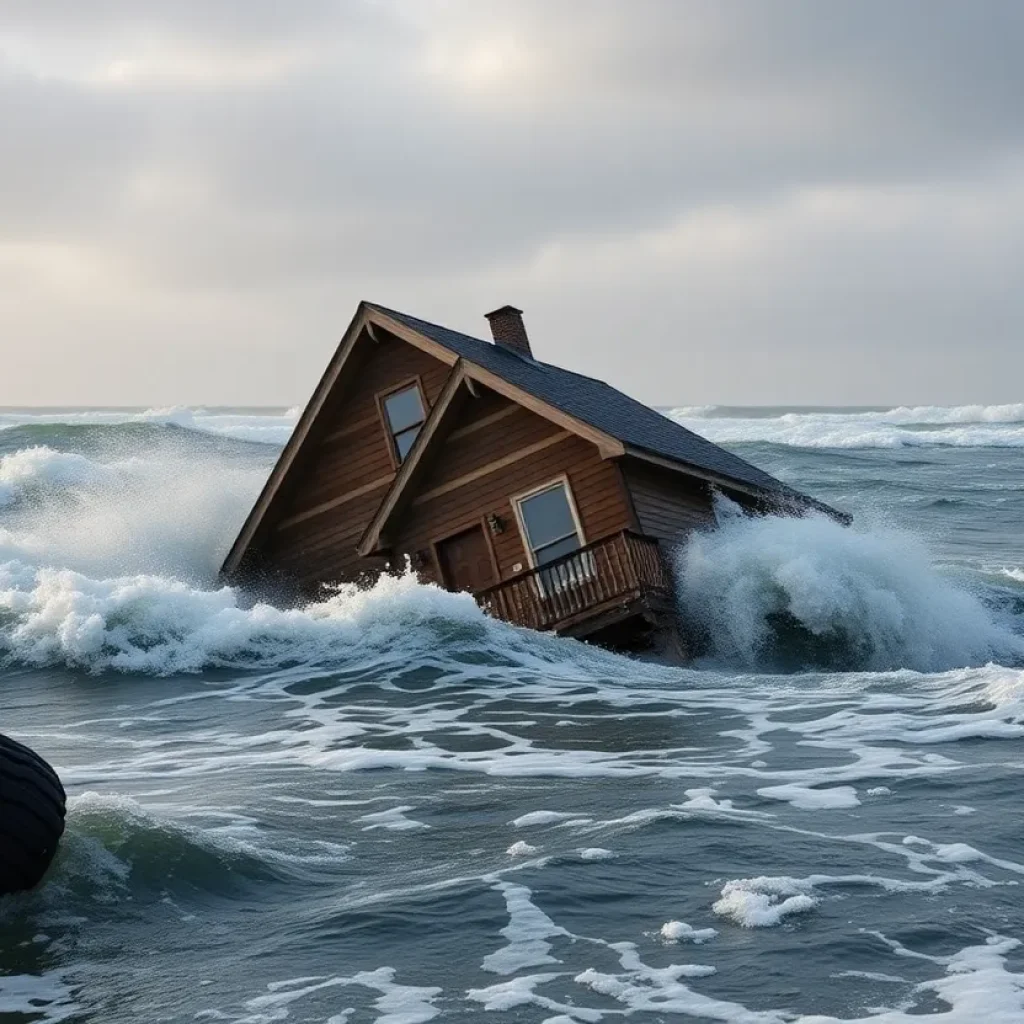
pixel 501 310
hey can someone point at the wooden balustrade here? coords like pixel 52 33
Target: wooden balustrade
pixel 622 568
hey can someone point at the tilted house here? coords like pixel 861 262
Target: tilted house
pixel 554 498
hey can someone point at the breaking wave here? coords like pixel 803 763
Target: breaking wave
pixel 155 625
pixel 789 593
pixel 175 513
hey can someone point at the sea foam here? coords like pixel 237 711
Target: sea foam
pixel 160 626
pixel 967 426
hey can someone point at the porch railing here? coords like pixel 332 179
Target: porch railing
pixel 626 566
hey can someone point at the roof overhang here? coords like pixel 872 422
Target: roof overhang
pixel 786 498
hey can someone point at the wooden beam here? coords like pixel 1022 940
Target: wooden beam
pixel 353 428
pixel 343 499
pixel 491 467
pixel 484 421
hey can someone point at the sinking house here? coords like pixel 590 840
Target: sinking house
pixel 552 497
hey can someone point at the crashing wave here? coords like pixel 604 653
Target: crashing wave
pixel 792 593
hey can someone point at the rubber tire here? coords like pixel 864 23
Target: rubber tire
pixel 32 811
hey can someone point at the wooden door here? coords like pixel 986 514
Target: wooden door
pixel 466 561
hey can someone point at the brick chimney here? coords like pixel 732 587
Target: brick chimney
pixel 508 330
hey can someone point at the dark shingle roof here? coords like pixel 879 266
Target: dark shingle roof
pixel 599 405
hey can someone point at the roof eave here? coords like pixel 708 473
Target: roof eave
pixel 783 497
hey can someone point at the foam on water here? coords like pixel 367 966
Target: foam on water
pixel 763 902
pixel 42 997
pixel 967 426
pixel 160 626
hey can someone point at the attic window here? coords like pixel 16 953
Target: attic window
pixel 405 414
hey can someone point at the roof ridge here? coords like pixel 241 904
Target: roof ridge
pixel 490 344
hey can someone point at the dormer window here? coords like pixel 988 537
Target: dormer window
pixel 404 413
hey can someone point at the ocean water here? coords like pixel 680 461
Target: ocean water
pixel 386 807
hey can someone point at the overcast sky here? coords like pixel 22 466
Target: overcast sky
pixel 730 201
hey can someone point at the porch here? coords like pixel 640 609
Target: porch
pixel 620 577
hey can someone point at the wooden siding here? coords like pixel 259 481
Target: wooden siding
pixel 668 505
pixel 316 525
pixel 439 510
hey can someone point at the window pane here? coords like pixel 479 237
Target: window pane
pixel 404 442
pixel 556 550
pixel 404 409
pixel 547 517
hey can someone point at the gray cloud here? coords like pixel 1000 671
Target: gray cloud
pixel 766 188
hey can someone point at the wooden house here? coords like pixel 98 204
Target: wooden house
pixel 552 497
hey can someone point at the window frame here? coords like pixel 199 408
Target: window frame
pixel 382 411
pixel 563 480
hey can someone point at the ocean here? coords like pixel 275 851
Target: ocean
pixel 387 807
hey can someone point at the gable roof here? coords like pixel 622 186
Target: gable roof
pixel 618 424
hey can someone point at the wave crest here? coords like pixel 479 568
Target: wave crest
pixel 965 426
pixel 159 626
pixel 41 468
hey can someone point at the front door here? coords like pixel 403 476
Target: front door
pixel 466 561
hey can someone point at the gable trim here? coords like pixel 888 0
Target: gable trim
pixel 610 447
pixel 486 421
pixel 414 338
pixel 326 506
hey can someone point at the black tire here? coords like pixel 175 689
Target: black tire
pixel 32 809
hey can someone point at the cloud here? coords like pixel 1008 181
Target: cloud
pixel 784 177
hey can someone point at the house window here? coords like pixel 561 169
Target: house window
pixel 405 415
pixel 551 529
pixel 549 523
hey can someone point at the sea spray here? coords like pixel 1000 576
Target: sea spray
pixel 173 512
pixel 787 593
pixel 39 469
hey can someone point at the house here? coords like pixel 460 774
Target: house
pixel 554 498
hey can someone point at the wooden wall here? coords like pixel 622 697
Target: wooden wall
pixel 668 505
pixel 480 470
pixel 316 525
